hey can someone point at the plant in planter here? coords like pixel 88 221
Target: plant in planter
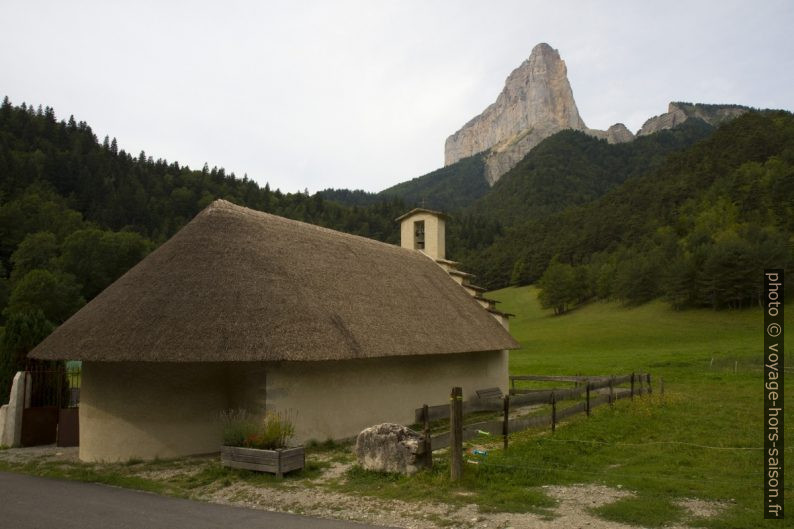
pixel 260 445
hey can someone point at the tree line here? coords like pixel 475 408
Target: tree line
pixel 77 212
pixel 697 232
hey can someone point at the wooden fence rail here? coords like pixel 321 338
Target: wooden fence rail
pixel 591 388
pixel 475 405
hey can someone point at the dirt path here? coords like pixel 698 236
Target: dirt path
pixel 572 512
pixel 316 498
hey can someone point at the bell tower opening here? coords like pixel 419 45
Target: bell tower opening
pixel 419 235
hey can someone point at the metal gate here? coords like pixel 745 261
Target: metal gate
pixel 50 415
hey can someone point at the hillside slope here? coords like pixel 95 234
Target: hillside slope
pixel 725 203
pixel 572 168
pixel 450 188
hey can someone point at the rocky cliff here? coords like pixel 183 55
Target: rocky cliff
pixel 678 112
pixel 617 133
pixel 535 103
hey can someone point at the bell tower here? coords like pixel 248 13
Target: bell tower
pixel 423 229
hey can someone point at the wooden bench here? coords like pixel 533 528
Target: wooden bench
pixel 490 393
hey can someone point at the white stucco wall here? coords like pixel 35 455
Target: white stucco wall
pixel 339 399
pixel 147 410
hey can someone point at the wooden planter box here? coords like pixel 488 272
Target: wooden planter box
pixel 276 462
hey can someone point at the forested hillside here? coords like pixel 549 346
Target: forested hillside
pixel 451 188
pixel 698 230
pixel 76 213
pixel 572 168
pixel 567 169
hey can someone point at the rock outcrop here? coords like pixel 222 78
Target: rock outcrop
pixel 617 133
pixel 390 448
pixel 677 113
pixel 535 103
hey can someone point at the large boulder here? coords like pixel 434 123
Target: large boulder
pixel 390 448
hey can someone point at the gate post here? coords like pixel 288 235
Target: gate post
pixel 11 427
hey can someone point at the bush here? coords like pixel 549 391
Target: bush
pixel 57 295
pixel 241 429
pixel 23 332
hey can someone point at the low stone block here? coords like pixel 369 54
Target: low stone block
pixel 390 448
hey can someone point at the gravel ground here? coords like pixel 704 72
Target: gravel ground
pixel 51 453
pixel 314 499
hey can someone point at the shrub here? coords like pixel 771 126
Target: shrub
pixel 237 425
pixel 23 332
pixel 270 433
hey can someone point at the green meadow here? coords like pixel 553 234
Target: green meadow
pixel 700 440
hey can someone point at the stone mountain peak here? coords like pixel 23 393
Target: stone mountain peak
pixel 536 102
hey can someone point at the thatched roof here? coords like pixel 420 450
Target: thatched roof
pixel 240 285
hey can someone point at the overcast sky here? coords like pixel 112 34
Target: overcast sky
pixel 363 94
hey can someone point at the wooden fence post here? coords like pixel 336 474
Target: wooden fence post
pixel 426 432
pixel 650 389
pixel 456 433
pixel 611 390
pixel 587 392
pixel 553 412
pixel 632 386
pixel 506 421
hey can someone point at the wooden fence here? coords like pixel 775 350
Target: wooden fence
pixel 589 392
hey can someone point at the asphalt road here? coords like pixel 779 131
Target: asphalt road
pixel 28 502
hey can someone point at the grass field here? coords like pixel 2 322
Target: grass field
pixel 707 403
pixel 699 441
